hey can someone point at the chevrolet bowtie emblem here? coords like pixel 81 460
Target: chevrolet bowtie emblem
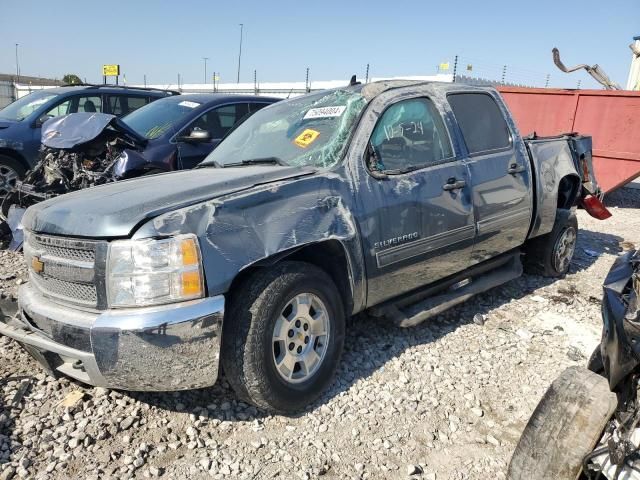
pixel 37 265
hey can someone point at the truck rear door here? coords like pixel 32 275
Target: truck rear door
pixel 500 173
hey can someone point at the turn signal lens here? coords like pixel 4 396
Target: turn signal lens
pixel 191 284
pixel 189 252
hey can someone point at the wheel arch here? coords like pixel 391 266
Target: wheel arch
pixel 568 190
pixel 7 152
pixel 331 256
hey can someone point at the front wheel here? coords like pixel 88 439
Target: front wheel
pixel 551 254
pixel 11 170
pixel 283 336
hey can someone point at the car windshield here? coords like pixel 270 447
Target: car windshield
pixel 25 106
pixel 311 130
pixel 159 117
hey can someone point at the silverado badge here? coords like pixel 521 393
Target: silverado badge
pixel 37 265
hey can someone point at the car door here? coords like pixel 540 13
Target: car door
pixel 500 173
pixel 417 224
pixel 217 122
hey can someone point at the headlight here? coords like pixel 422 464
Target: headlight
pixel 151 272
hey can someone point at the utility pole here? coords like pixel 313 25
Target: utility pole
pixel 366 75
pixel 255 82
pixel 178 82
pixel 205 68
pixel 455 68
pixel 145 80
pixel 307 87
pixel 17 65
pixel 504 74
pixel 240 51
pixel 546 83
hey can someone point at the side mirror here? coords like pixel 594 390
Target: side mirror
pixel 196 136
pixel 43 118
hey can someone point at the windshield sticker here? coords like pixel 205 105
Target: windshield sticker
pixel 187 103
pixel 306 138
pixel 324 112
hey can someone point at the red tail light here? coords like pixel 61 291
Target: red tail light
pixel 595 207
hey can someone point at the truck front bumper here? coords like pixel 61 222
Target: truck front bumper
pixel 168 347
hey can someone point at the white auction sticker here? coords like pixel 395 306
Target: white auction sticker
pixel 187 103
pixel 324 112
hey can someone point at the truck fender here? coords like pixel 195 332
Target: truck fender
pixel 556 182
pixel 265 224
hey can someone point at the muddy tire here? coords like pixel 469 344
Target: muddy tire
pixel 550 255
pixel 283 336
pixel 565 426
pixel 10 171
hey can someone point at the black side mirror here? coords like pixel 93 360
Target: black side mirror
pixel 196 136
pixel 43 118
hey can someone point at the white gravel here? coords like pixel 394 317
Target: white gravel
pixel 445 400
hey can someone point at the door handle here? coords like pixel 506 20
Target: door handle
pixel 453 184
pixel 515 168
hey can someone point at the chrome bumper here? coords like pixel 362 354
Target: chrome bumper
pixel 169 347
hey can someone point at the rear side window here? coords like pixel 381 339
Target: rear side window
pixel 123 104
pixel 135 103
pixel 481 121
pixel 254 107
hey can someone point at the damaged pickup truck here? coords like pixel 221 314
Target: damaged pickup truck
pixel 398 198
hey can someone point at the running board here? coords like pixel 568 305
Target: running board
pixel 410 315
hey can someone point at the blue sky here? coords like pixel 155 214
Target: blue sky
pixel 333 38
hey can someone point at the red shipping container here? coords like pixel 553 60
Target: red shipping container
pixel 611 117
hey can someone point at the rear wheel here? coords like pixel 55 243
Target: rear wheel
pixel 11 170
pixel 565 427
pixel 551 254
pixel 283 336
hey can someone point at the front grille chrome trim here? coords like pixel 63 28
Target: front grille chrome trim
pixel 72 269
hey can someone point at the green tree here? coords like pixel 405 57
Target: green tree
pixel 71 79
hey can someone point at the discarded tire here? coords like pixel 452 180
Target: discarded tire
pixel 565 426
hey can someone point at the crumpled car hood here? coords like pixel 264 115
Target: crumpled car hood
pixel 69 131
pixel 117 209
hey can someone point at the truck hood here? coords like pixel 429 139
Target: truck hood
pixel 117 209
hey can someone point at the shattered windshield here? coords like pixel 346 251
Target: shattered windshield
pixel 311 130
pixel 25 106
pixel 157 118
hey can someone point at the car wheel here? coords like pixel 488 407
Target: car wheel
pixel 283 336
pixel 565 427
pixel 11 170
pixel 551 254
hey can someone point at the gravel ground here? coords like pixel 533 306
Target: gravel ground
pixel 445 400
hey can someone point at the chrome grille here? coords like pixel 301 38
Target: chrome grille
pixel 70 291
pixel 65 252
pixel 66 268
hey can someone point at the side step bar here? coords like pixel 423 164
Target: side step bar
pixel 412 314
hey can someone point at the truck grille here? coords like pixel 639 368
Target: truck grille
pixel 64 268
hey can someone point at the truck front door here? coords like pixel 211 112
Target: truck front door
pixel 417 224
pixel 500 173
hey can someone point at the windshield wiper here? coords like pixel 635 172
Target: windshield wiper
pixel 257 161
